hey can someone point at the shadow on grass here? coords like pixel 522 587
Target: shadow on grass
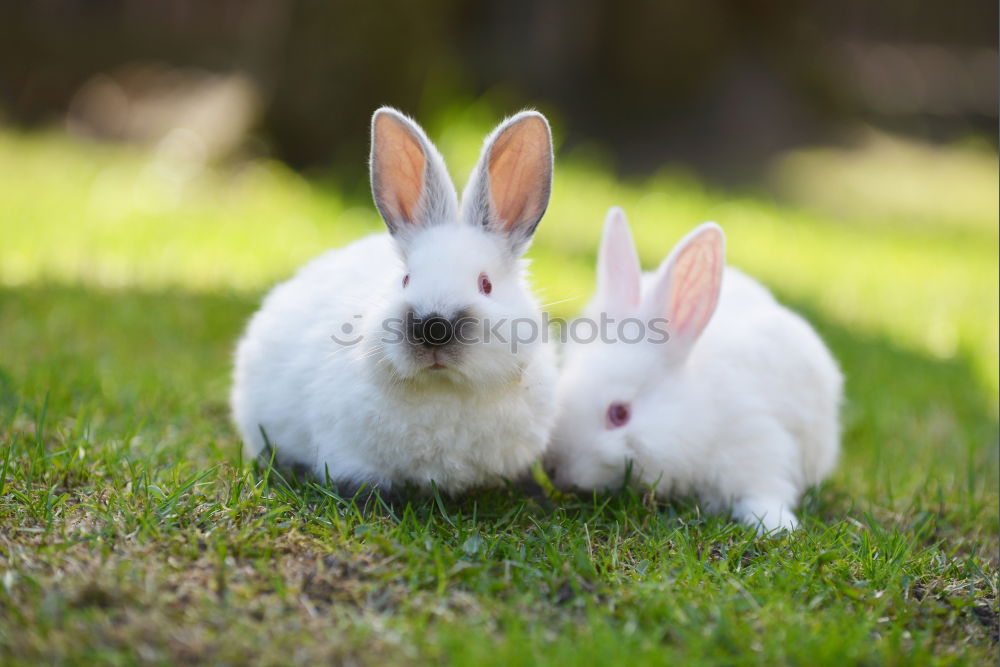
pixel 122 362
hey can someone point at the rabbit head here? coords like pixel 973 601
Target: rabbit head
pixel 460 299
pixel 610 417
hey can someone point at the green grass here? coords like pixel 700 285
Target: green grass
pixel 132 532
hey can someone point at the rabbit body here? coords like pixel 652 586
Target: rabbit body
pixel 332 409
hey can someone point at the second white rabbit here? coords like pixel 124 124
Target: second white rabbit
pixel 738 405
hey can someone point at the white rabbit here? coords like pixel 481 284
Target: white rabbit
pixel 374 365
pixel 739 409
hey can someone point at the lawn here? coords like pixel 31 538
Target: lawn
pixel 131 531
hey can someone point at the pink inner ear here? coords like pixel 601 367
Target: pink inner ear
pixel 518 163
pixel 694 286
pixel 400 165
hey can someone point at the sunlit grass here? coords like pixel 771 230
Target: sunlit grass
pixel 113 217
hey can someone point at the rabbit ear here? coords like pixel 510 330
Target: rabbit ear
pixel 618 272
pixel 687 286
pixel 410 184
pixel 508 191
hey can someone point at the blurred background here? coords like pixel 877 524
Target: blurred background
pixel 162 163
pixel 720 86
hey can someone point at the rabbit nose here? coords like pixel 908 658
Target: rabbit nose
pixel 431 330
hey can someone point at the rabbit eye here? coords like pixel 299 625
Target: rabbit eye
pixel 406 280
pixel 618 414
pixel 485 286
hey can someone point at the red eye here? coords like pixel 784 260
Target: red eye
pixel 485 286
pixel 406 280
pixel 618 414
